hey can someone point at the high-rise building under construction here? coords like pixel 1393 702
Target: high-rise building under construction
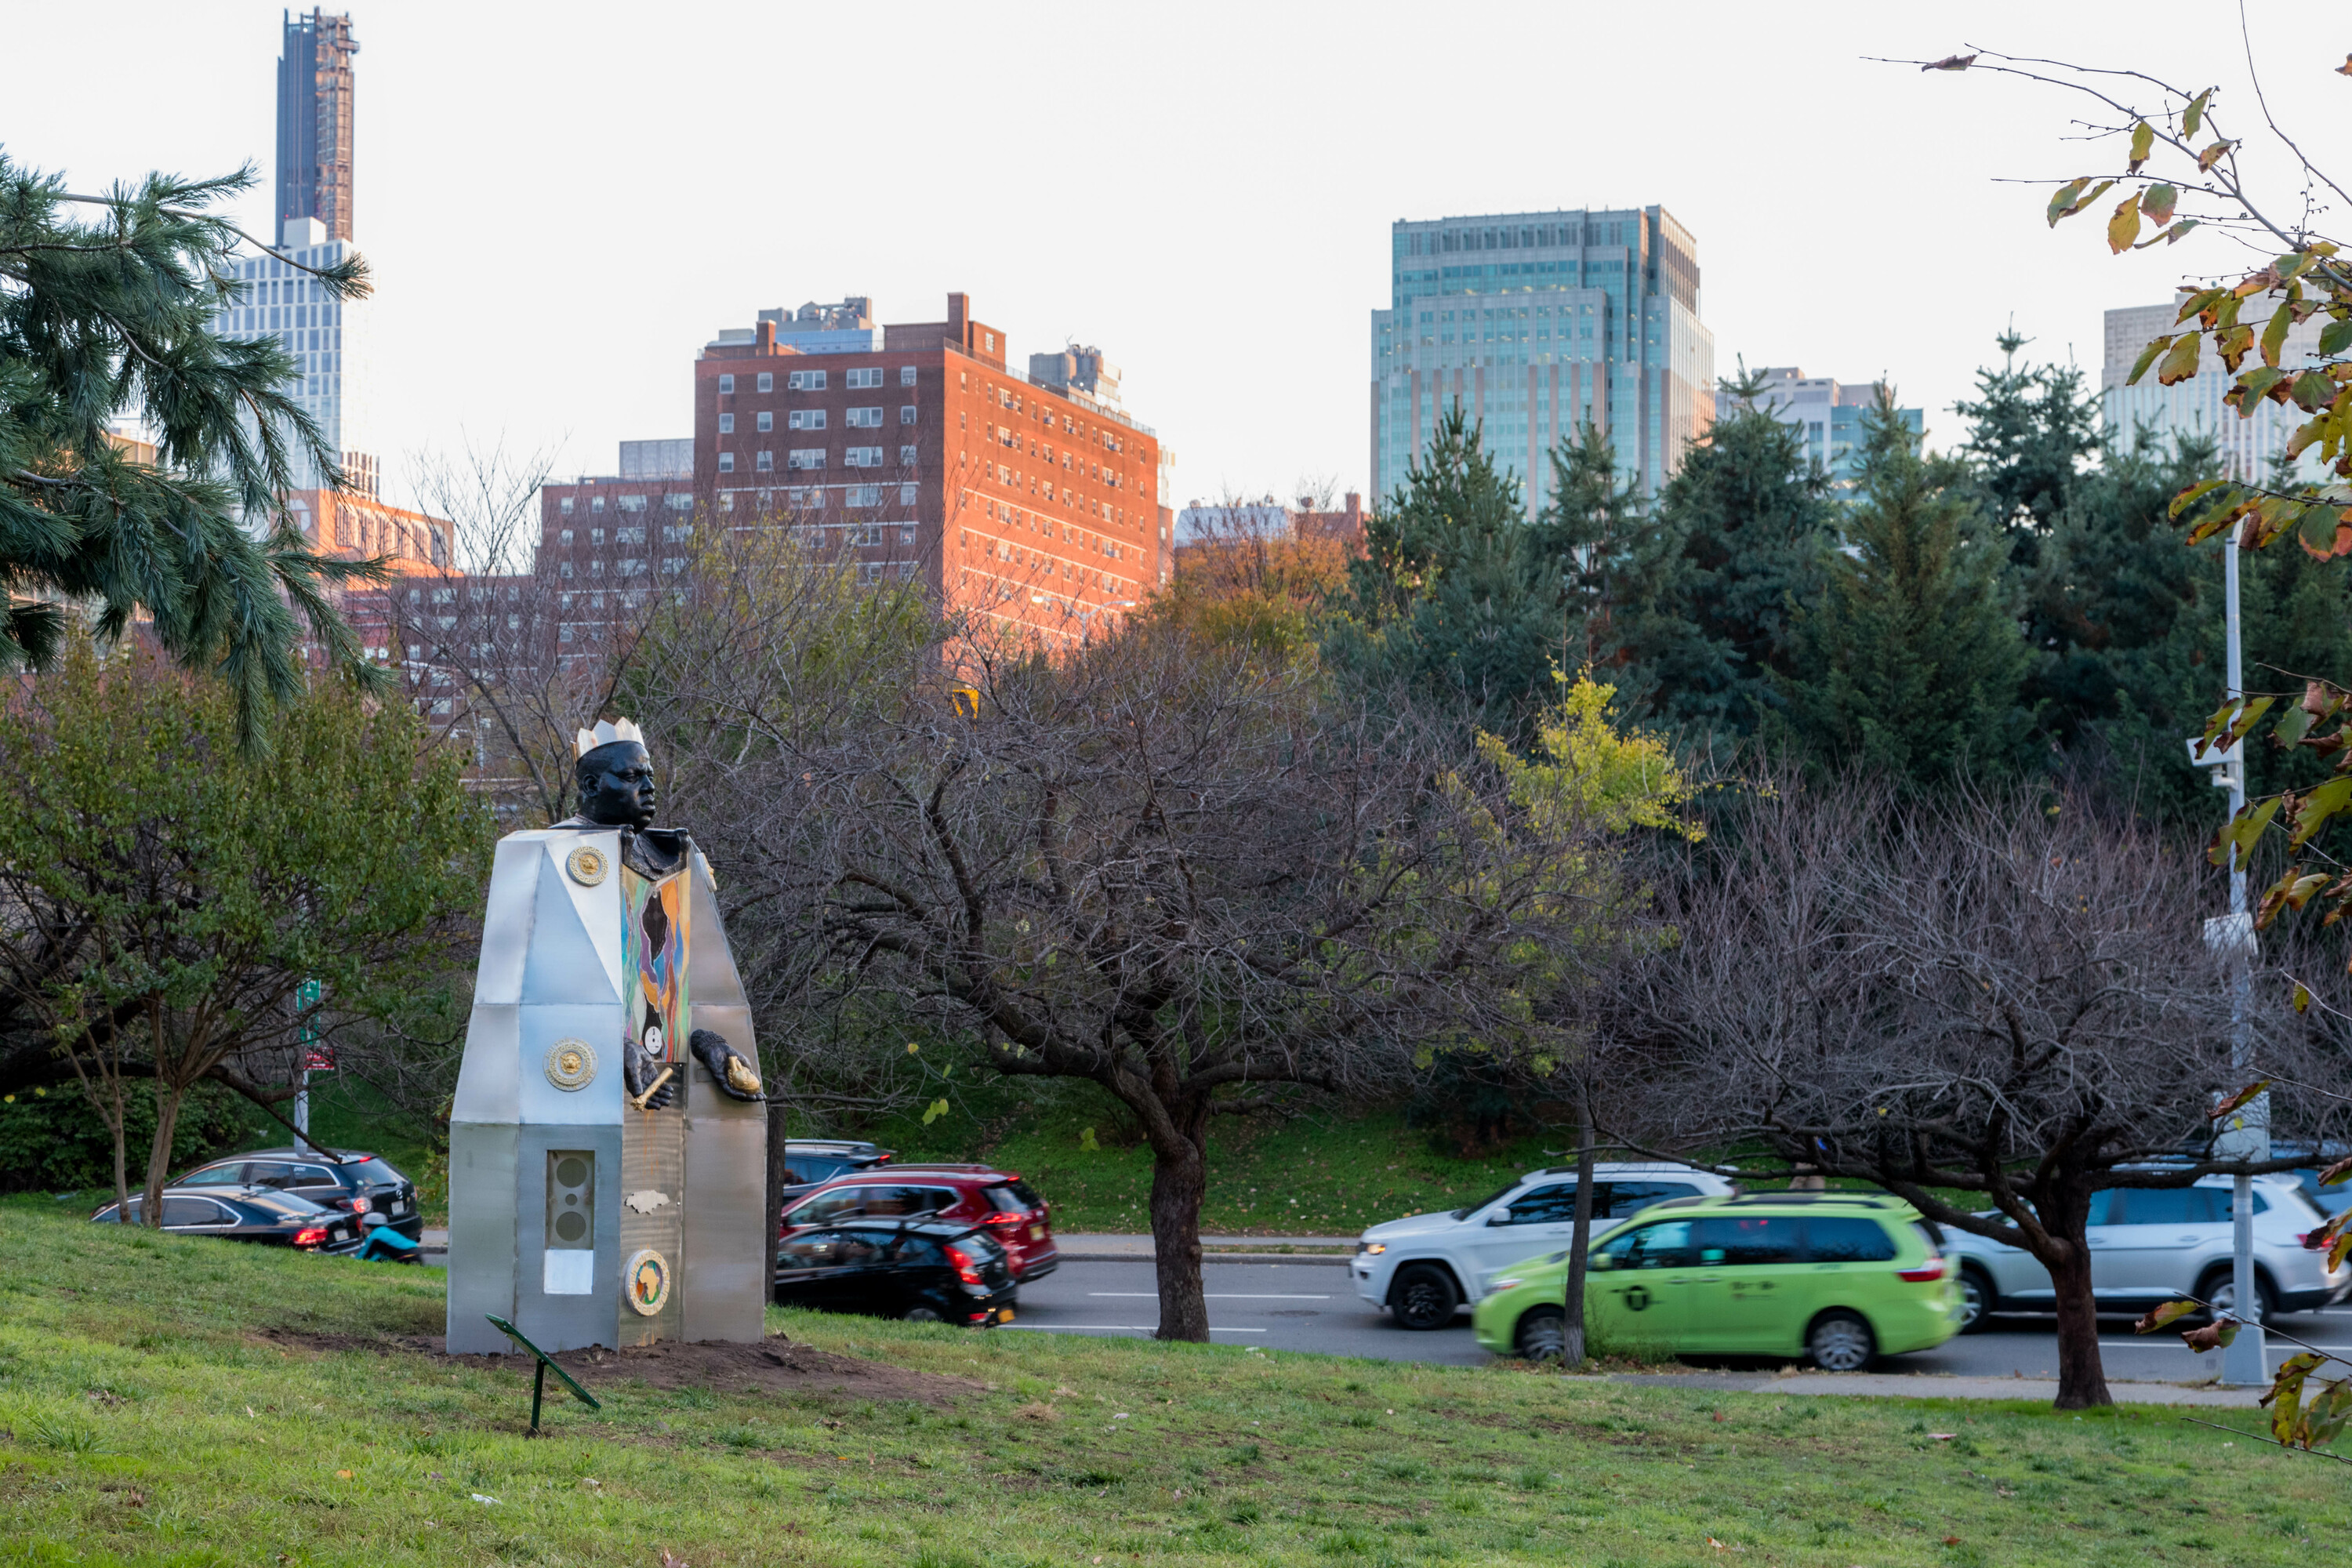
pixel 315 124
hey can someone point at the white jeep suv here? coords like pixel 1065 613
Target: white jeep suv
pixel 1424 1267
pixel 2150 1245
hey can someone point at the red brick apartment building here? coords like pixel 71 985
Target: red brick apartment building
pixel 1024 497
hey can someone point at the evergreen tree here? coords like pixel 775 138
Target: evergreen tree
pixel 1597 543
pixel 1912 663
pixel 2031 434
pixel 114 317
pixel 1450 594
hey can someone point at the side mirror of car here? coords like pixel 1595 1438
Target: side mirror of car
pixel 1600 1263
pixel 1500 1216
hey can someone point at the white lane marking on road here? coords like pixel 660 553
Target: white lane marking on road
pixel 1211 1296
pixel 1119 1328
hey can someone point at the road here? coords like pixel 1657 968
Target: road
pixel 1312 1306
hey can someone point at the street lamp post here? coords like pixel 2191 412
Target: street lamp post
pixel 2248 1135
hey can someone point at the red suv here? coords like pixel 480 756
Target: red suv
pixel 1016 1217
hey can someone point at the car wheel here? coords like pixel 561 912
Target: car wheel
pixel 1423 1297
pixel 2220 1287
pixel 1841 1342
pixel 919 1313
pixel 1542 1335
pixel 1978 1300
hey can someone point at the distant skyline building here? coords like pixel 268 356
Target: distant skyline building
pixel 315 124
pixel 1535 323
pixel 2246 447
pixel 1827 414
pixel 1033 501
pixel 328 338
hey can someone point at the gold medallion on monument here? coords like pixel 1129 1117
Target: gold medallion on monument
pixel 570 1063
pixel 587 865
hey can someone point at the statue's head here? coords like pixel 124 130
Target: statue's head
pixel 616 776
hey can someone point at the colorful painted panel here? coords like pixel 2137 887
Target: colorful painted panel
pixel 653 962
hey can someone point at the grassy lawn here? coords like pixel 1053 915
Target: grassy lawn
pixel 186 1402
pixel 1316 1175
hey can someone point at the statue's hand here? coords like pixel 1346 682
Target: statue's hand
pixel 727 1069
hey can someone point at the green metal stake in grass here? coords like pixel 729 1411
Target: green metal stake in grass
pixel 539 1377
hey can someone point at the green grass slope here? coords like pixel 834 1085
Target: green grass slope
pixel 195 1403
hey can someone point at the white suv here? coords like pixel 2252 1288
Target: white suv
pixel 2150 1245
pixel 1424 1268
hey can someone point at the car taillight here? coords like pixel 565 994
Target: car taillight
pixel 1004 1219
pixel 963 1266
pixel 310 1236
pixel 2303 1239
pixel 357 1204
pixel 1931 1269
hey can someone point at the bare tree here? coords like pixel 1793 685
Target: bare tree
pixel 1985 997
pixel 1171 871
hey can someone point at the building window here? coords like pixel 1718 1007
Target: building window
pixel 565 506
pixel 726 425
pixel 726 384
pixel 907 456
pixel 905 414
pixel 630 568
pixel 767 421
pixel 564 568
pixel 765 463
pixel 804 458
pixel 806 419
pixel 628 536
pixel 864 457
pixel 564 538
pixel 864 418
pixel 673 564
pixel 906 495
pixel 861 495
pixel 633 503
pixel 677 533
pixel 595 536
pixel 804 381
pixel 906 375
pixel 871 375
pixel 595 568
pixel 726 462
pixel 595 503
pixel 767 381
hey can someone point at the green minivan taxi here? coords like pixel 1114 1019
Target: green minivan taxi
pixel 1841 1278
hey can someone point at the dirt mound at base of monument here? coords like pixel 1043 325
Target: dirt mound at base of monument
pixel 774 1365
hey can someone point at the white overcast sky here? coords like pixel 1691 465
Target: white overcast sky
pixel 563 203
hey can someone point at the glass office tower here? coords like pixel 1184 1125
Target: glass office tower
pixel 1537 323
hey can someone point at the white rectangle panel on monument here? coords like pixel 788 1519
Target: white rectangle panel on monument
pixel 570 1273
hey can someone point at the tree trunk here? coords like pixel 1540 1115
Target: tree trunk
pixel 1580 1243
pixel 122 1153
pixel 158 1152
pixel 2082 1377
pixel 1180 1179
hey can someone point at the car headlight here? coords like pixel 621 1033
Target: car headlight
pixel 1495 1284
pixel 1371 1248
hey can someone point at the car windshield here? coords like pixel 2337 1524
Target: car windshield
pixel 1502 1192
pixel 373 1172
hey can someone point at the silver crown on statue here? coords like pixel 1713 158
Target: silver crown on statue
pixel 605 733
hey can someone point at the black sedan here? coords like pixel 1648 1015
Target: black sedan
pixel 274 1219
pixel 353 1182
pixel 922 1271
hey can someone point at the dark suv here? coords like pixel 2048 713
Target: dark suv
pixel 353 1183
pixel 922 1270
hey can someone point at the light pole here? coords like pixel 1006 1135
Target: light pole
pixel 2248 1134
